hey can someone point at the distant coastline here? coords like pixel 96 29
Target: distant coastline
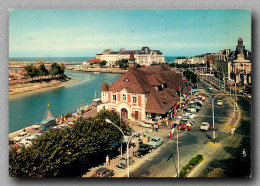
pixel 68 59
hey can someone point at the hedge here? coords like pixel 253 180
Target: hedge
pixel 193 162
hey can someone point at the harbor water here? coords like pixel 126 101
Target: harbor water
pixel 31 108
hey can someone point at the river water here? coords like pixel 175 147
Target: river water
pixel 31 108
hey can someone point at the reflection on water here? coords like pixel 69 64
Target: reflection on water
pixel 29 109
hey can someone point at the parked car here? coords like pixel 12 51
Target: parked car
pixel 219 102
pixel 136 134
pixel 142 150
pixel 122 163
pixel 36 127
pixel 183 126
pixel 192 110
pixel 145 124
pixel 103 173
pixel 21 136
pixel 155 142
pixel 204 126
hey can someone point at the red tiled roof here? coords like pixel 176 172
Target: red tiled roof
pixel 104 87
pixel 143 80
pixel 94 60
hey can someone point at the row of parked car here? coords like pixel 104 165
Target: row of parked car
pixel 143 149
pixel 25 138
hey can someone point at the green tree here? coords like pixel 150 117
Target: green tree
pixel 62 68
pixel 42 70
pixel 103 63
pixel 31 71
pixel 56 69
pixel 69 151
pixel 123 63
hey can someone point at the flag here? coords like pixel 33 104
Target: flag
pixel 171 133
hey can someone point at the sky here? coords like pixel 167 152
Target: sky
pixel 87 32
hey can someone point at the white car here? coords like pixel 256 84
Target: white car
pixel 204 126
pixel 145 124
pixel 192 110
pixel 21 136
pixel 219 102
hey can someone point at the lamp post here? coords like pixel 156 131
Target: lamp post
pixel 213 114
pixel 127 143
pixel 127 156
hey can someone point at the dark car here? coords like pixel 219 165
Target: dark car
pixel 142 150
pixel 122 163
pixel 103 173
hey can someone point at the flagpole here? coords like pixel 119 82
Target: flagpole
pixel 178 170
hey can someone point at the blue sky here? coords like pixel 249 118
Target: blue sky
pixel 86 32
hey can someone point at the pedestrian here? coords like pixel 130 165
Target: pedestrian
pixel 133 141
pixel 107 160
pixel 169 134
pixel 244 153
pixel 156 128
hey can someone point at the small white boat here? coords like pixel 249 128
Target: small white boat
pixel 96 72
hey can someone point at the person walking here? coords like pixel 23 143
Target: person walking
pixel 244 153
pixel 107 160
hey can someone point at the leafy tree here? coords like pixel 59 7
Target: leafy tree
pixel 123 63
pixel 190 76
pixel 42 70
pixel 62 68
pixel 55 69
pixel 103 63
pixel 30 71
pixel 69 151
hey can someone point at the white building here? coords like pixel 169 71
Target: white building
pixel 144 57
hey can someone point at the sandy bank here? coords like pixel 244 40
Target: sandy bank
pixel 20 90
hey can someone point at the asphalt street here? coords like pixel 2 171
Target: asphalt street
pixel 196 142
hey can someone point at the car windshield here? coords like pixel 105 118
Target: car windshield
pixel 155 140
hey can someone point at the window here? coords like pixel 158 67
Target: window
pixel 134 99
pixel 124 97
pixel 114 97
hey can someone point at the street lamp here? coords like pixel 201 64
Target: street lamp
pixel 127 156
pixel 213 117
pixel 127 143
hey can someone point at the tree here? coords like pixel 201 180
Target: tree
pixel 56 69
pixel 103 63
pixel 69 151
pixel 190 76
pixel 62 68
pixel 30 71
pixel 123 63
pixel 42 70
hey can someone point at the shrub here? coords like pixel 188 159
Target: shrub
pixel 195 160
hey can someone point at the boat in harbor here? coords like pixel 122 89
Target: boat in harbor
pixel 96 72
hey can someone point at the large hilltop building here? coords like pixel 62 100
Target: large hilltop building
pixel 144 57
pixel 144 93
pixel 236 64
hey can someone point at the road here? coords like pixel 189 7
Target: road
pixel 198 142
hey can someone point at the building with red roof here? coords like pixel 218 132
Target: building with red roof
pixel 141 93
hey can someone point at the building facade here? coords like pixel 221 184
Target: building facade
pixel 143 93
pixel 236 65
pixel 143 57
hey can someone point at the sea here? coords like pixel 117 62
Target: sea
pixel 168 59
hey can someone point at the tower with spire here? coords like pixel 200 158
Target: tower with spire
pixel 131 61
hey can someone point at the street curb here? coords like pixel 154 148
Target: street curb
pixel 196 167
